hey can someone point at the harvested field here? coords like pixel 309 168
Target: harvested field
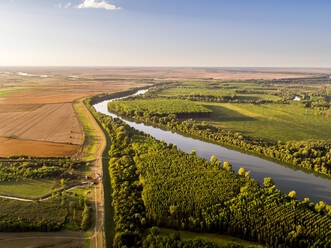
pixel 34 239
pixel 37 115
pixel 10 108
pixel 51 122
pixel 10 147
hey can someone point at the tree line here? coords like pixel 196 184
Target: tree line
pixel 34 168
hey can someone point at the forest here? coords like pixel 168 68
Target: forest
pixel 23 168
pixel 64 210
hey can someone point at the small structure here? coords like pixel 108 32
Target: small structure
pixel 296 98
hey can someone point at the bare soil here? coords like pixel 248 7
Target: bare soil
pixel 10 147
pixel 34 240
pixel 51 122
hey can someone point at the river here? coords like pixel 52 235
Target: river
pixel 286 179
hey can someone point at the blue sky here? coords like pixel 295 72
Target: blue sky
pixel 165 32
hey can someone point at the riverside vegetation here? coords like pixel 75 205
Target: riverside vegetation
pixel 155 184
pixel 59 210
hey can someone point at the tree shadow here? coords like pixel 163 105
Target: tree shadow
pixel 221 113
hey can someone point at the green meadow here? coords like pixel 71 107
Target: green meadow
pixel 283 119
pixel 271 121
pixel 30 189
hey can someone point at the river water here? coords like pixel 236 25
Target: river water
pixel 286 179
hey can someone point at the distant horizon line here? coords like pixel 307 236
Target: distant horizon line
pixel 134 66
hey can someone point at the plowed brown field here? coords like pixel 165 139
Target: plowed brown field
pixel 50 122
pixel 35 148
pixel 37 116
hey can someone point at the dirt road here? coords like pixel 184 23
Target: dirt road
pixel 97 239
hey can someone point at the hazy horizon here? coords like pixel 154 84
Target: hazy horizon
pixel 154 33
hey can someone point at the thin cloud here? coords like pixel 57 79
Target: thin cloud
pixel 95 4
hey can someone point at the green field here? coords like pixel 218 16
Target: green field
pixel 158 106
pixel 6 91
pixel 90 137
pixel 281 119
pixel 30 188
pixel 257 91
pixel 271 121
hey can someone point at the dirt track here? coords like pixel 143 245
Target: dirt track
pixel 97 240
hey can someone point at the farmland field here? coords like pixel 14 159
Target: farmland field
pixel 290 122
pixel 239 106
pixel 12 146
pixel 51 122
pixel 38 118
pixel 30 189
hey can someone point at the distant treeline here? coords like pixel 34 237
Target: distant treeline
pixel 107 96
pixel 159 107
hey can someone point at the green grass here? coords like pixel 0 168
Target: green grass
pixel 220 89
pixel 328 91
pixel 30 188
pixel 271 121
pixel 159 106
pixel 90 137
pixel 6 91
pixel 218 239
pixel 81 191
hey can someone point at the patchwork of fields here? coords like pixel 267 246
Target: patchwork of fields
pixel 38 118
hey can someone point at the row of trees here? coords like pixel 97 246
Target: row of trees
pixel 18 169
pixel 159 107
pixel 313 156
pixel 45 216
